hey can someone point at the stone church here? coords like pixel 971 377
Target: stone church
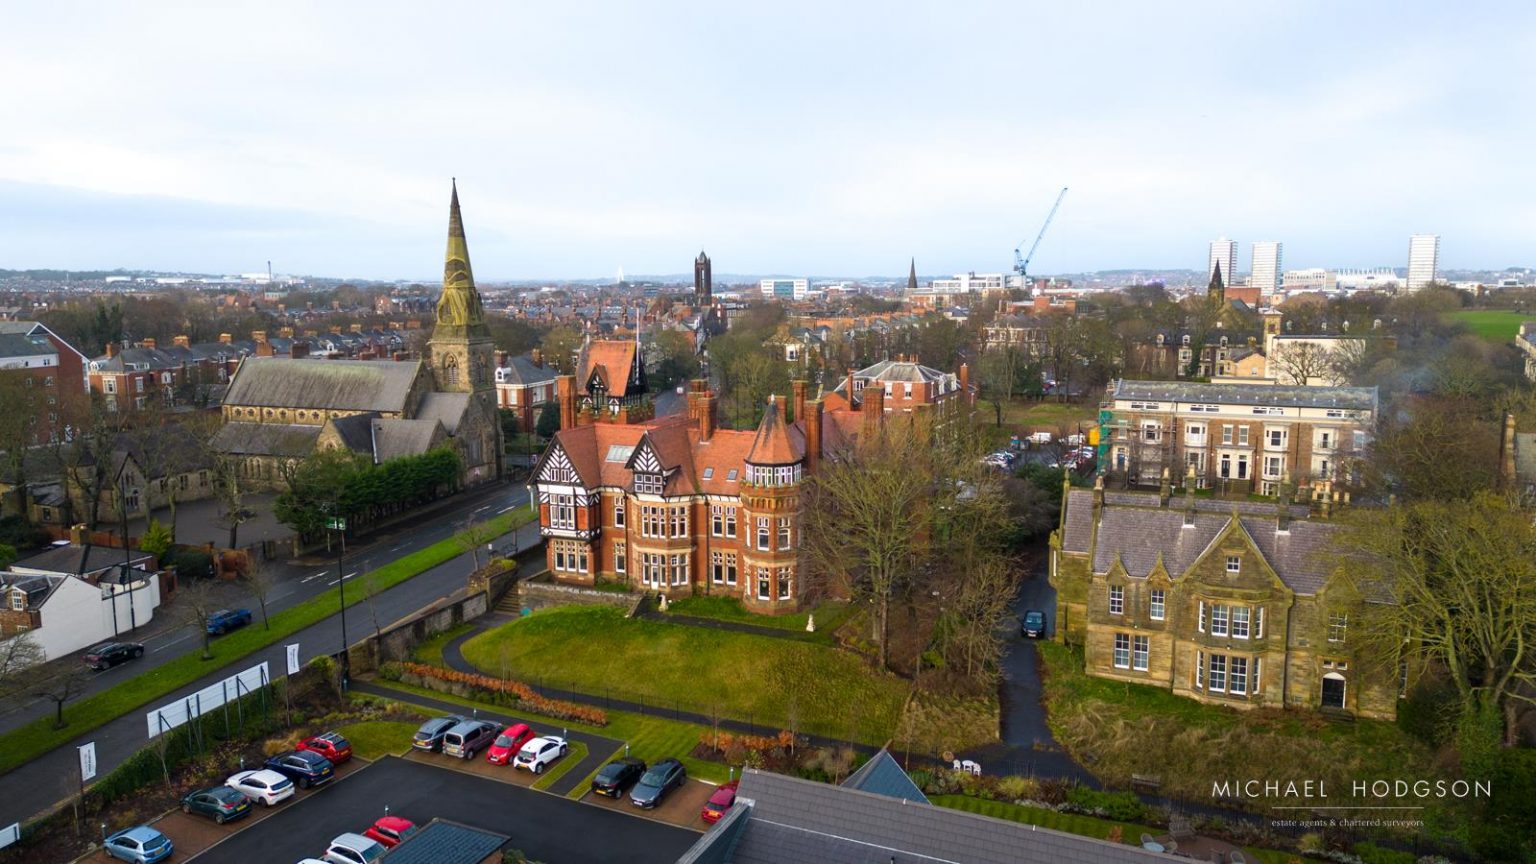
pixel 280 410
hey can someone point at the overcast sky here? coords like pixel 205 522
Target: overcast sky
pixel 814 138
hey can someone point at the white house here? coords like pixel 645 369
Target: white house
pixel 65 612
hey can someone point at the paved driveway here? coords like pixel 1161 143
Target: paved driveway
pixel 545 827
pixel 1023 715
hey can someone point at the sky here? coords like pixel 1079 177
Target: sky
pixel 813 139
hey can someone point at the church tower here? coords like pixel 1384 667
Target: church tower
pixel 1216 292
pixel 703 283
pixel 461 349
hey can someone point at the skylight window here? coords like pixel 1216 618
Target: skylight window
pixel 709 473
pixel 731 475
pixel 619 453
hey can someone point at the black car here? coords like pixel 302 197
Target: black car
pixel 430 736
pixel 303 767
pixel 617 776
pixel 109 654
pixel 657 782
pixel 1033 625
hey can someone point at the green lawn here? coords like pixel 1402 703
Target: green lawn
pixel 1493 325
pixel 829 615
pixel 577 752
pixel 375 738
pixel 26 743
pixel 597 650
pixel 1074 823
pixel 430 650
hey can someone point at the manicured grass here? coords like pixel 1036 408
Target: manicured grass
pixel 26 743
pixel 1137 729
pixel 597 650
pixel 829 615
pixel 649 738
pixel 1075 823
pixel 576 753
pixel 1493 325
pixel 375 738
pixel 430 650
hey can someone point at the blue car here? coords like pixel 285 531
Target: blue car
pixel 225 620
pixel 141 845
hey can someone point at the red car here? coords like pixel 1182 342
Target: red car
pixel 330 745
pixel 719 802
pixel 508 743
pixel 390 831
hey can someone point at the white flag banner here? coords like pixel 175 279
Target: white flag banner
pixel 293 659
pixel 87 761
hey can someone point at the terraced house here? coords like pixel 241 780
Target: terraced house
pixel 678 505
pixel 1242 603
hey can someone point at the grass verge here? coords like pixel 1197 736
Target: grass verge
pixel 1492 325
pixel 375 738
pixel 1073 823
pixel 23 744
pixel 430 650
pixel 649 738
pixel 596 650
pixel 576 753
pixel 829 615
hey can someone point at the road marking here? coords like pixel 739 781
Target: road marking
pixel 334 581
pixel 314 577
pixel 505 509
pixel 398 548
pixel 170 643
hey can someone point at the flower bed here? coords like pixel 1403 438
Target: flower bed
pixel 498 691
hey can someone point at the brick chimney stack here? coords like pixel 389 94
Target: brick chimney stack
pixel 148 343
pixel 536 356
pixel 965 377
pixel 565 393
pixel 258 336
pixel 225 339
pixel 111 350
pixel 1507 453
pixel 874 407
pixel 813 437
pixel 298 350
pixel 182 341
pixel 797 389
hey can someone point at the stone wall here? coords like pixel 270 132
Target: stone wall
pixel 397 641
pixel 537 593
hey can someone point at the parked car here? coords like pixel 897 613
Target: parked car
pixel 141 845
pixel 539 752
pixel 1033 624
pixel 1075 439
pixel 430 736
pixel 303 767
pixel 468 738
pixel 352 848
pixel 1041 438
pixel 220 802
pixel 225 620
pixel 390 831
pixel 617 776
pixel 719 803
pixel 657 782
pixel 264 787
pixel 109 654
pixel 508 743
pixel 330 745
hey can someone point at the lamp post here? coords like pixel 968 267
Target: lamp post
pixel 122 499
pixel 339 525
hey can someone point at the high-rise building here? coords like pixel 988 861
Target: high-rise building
pixel 785 289
pixel 1223 252
pixel 1423 260
pixel 1266 273
pixel 703 284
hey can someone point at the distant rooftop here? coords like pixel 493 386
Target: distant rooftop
pixel 1353 398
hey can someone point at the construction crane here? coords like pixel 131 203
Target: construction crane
pixel 1021 262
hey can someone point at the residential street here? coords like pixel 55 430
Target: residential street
pixel 169 636
pixel 38 785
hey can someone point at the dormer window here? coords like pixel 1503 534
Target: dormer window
pixel 773 475
pixel 19 601
pixel 650 484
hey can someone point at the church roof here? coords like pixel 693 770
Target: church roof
pixel 340 385
pixel 447 408
pixel 266 439
pixel 395 438
pixel 355 431
pixel 772 445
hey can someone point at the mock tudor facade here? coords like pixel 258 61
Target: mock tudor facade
pixel 679 506
pixel 1241 603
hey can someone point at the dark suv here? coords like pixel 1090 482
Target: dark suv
pixel 303 767
pixel 430 736
pixel 1033 624
pixel 109 654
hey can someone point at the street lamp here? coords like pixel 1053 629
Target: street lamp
pixel 339 525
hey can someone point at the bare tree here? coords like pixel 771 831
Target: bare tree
pixel 60 688
pixel 18 654
pixel 473 536
pixel 1301 362
pixel 260 579
pixel 198 602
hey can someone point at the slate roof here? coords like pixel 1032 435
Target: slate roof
pixel 445 842
pixel 882 775
pixel 446 408
pixel 341 385
pixel 1135 530
pixel 790 819
pixel 24 345
pixel 395 438
pixel 355 431
pixel 266 439
pixel 78 560
pixel 1353 398
pixel 899 371
pixel 520 370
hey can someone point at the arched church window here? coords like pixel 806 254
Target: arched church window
pixel 451 370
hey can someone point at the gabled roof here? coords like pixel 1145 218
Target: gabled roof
pixel 446 408
pixel 25 345
pixel 519 370
pixel 612 360
pixel 341 385
pixel 266 439
pixel 393 439
pixel 772 444
pixel 73 559
pixel 882 775
pixel 1350 398
pixel 355 431
pixel 779 818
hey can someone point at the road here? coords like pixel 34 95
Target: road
pixel 169 636
pixel 545 827
pixel 43 782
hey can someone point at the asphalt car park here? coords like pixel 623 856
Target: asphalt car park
pixel 546 828
pixel 191 833
pixel 477 766
pixel 679 807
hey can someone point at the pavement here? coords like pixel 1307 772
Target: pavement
pixel 37 786
pixel 544 827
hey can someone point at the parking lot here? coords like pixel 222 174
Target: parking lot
pixel 681 806
pixel 546 828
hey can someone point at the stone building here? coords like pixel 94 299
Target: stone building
pixel 1244 604
pixel 278 410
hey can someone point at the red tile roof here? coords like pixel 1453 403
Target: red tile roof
pixel 773 446
pixel 611 360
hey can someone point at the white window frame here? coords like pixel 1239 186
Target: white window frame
pixel 1116 600
pixel 1338 625
pixel 620 558
pixel 1258 622
pixel 784 532
pixel 1217 675
pixel 1157 604
pixel 618 512
pixel 1240 620
pixel 679 567
pixel 1201 625
pixel 1234 564
pixel 1199 670
pixel 1122 651
pixel 1141 653
pixel 562 511
pixel 1237 676
pixel 1219 620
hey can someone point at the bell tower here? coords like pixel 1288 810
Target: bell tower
pixel 461 350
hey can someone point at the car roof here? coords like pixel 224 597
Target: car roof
pixel 141 833
pixel 331 736
pixel 353 841
pixel 722 794
pixel 260 773
pixel 395 823
pixel 466 725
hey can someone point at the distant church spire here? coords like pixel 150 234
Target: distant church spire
pixel 912 278
pixel 1216 292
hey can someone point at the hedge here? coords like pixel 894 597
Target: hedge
pixel 499 691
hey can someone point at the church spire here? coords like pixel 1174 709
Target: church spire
pixel 456 269
pixel 1216 292
pixel 912 278
pixel 458 309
